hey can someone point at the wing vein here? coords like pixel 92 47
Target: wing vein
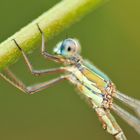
pixel 127 117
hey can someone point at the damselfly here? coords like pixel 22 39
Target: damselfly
pixel 96 87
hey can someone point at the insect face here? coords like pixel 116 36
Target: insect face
pixel 67 48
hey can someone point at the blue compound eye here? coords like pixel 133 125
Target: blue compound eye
pixel 68 48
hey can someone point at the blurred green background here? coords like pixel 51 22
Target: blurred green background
pixel 110 39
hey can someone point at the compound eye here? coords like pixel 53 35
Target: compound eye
pixel 69 48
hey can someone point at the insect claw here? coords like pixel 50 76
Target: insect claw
pixel 39 28
pixel 17 45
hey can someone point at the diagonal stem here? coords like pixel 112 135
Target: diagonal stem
pixel 51 22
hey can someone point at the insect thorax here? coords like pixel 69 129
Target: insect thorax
pixel 92 86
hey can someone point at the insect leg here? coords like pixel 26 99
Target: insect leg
pixel 12 79
pixel 44 52
pixel 45 85
pixel 7 75
pixel 38 72
pixel 110 124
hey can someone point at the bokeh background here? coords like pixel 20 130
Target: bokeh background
pixel 110 38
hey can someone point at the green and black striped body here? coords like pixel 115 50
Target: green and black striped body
pixel 90 81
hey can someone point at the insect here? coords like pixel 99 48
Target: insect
pixel 96 87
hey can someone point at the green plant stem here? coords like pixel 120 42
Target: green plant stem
pixel 51 22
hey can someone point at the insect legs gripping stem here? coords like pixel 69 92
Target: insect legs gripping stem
pixel 11 78
pixel 97 87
